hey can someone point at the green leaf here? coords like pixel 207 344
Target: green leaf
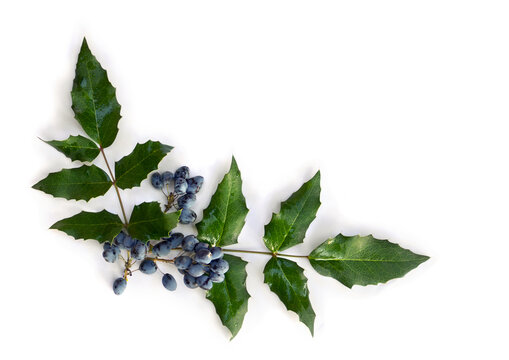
pixel 230 297
pixel 93 99
pixel 133 168
pixel 76 148
pixel 225 216
pixel 148 222
pixel 363 260
pixel 101 226
pixel 81 183
pixel 286 279
pixel 289 226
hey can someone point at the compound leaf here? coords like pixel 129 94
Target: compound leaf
pixel 363 260
pixel 225 216
pixel 76 148
pixel 81 183
pixel 148 222
pixel 230 297
pixel 94 102
pixel 288 227
pixel 287 280
pixel 133 168
pixel 101 226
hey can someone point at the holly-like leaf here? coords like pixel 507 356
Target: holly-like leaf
pixel 81 183
pixel 133 168
pixel 363 260
pixel 230 297
pixel 101 226
pixel 148 222
pixel 288 227
pixel 286 279
pixel 225 216
pixel 93 99
pixel 76 148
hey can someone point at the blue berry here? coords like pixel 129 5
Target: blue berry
pixel 129 242
pixel 162 248
pixel 183 272
pixel 183 262
pixel 119 240
pixel 216 277
pixel 109 255
pixel 169 282
pixel 182 172
pixel 206 284
pixel 187 216
pixel 167 177
pixel 186 201
pixel 139 250
pixel 189 243
pixel 180 186
pixel 219 266
pixel 115 249
pixel 200 245
pixel 175 240
pixel 106 246
pixel 190 281
pixel 196 270
pixel 217 252
pixel 194 184
pixel 119 286
pixel 203 256
pixel 147 266
pixel 156 180
pixel 200 280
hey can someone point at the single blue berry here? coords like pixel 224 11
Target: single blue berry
pixel 187 216
pixel 119 286
pixel 156 180
pixel 190 281
pixel 109 255
pixel 194 184
pixel 147 266
pixel 180 186
pixel 139 250
pixel 186 201
pixel 217 252
pixel 175 240
pixel 207 284
pixel 200 280
pixel 200 245
pixel 203 256
pixel 216 277
pixel 183 262
pixel 182 172
pixel 119 239
pixel 129 242
pixel 115 249
pixel 219 266
pixel 196 270
pixel 106 246
pixel 167 177
pixel 169 282
pixel 189 243
pixel 162 248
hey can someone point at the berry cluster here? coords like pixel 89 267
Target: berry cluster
pixel 184 191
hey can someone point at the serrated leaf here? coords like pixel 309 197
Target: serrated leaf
pixel 101 226
pixel 363 260
pixel 230 297
pixel 76 148
pixel 133 168
pixel 81 183
pixel 288 227
pixel 94 102
pixel 287 280
pixel 225 216
pixel 148 222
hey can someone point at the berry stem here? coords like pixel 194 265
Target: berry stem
pixel 264 253
pixel 114 182
pixel 161 260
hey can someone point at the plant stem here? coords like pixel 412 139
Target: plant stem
pixel 114 182
pixel 161 260
pixel 264 253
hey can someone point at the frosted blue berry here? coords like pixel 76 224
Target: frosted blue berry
pixel 156 180
pixel 147 266
pixel 139 250
pixel 219 266
pixel 189 243
pixel 167 177
pixel 106 246
pixel 200 245
pixel 194 184
pixel 204 282
pixel 183 262
pixel 162 248
pixel 180 186
pixel 119 240
pixel 169 282
pixel 129 242
pixel 216 252
pixel 175 240
pixel 196 270
pixel 190 281
pixel 119 286
pixel 109 255
pixel 203 256
pixel 182 172
pixel 216 277
pixel 187 216
pixel 186 201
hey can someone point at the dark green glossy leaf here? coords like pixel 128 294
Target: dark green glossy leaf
pixel 230 297
pixel 286 279
pixel 148 222
pixel 81 183
pixel 225 216
pixel 288 227
pixel 93 99
pixel 363 260
pixel 76 148
pixel 133 168
pixel 101 226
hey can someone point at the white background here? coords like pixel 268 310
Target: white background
pixel 402 105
